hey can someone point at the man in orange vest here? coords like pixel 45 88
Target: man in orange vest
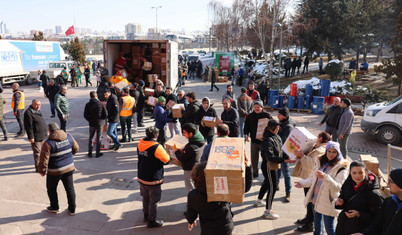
pixel 126 103
pixel 18 106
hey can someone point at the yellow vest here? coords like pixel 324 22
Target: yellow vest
pixel 127 107
pixel 21 104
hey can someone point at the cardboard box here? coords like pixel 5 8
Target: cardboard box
pixel 149 92
pixel 156 52
pixel 371 162
pixel 163 45
pixel 177 142
pixel 299 139
pixel 163 72
pixel 225 170
pixel 147 66
pixel 152 101
pixel 170 104
pixel 136 63
pixel 176 110
pixel 149 77
pixel 163 60
pixel 262 124
pixel 209 121
pixel 155 45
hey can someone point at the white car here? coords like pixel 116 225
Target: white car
pixel 385 121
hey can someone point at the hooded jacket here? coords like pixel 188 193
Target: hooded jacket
pixel 271 150
pixel 251 124
pixel 151 158
pixel 231 118
pixel 57 153
pixel 189 116
pixel 112 107
pixel 305 165
pixel 35 125
pixel 95 112
pixel 192 152
pixel 160 117
pixel 201 113
pixel 102 88
pixel 366 200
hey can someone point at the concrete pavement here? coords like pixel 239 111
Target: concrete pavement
pixel 108 199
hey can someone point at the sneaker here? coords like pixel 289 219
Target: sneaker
pixel 112 147
pixel 287 198
pixel 259 204
pixel 52 210
pixel 270 215
pixel 118 147
pixel 155 224
pixel 52 116
pixel 89 155
pixel 123 140
pixel 99 155
pixel 302 221
pixel 307 228
pixel 71 213
pixel 5 138
pixel 141 125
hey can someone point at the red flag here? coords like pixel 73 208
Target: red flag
pixel 70 30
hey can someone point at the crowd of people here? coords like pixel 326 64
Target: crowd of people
pixel 334 187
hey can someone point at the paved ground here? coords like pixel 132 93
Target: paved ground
pixel 108 199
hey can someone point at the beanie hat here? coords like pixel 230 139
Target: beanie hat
pixel 161 99
pixel 284 112
pixel 347 101
pixel 259 102
pixel 334 145
pixel 141 83
pixel 273 122
pixel 396 176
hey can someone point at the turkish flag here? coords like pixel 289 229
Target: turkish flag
pixel 70 30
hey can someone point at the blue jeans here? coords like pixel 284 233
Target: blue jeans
pixel 286 174
pixel 242 122
pixel 112 132
pixel 328 223
pixel 52 107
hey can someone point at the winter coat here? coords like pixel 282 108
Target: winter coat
pixel 388 219
pixel 251 124
pixel 215 217
pixel 271 150
pixel 213 76
pixel 287 126
pixel 45 79
pixel 254 94
pixel 231 118
pixel 231 97
pixel 102 88
pixel 160 116
pixel 330 188
pixel 35 125
pixel 171 97
pixel 305 165
pixel 245 105
pixel 346 122
pixel 95 112
pixel 61 104
pixel 112 108
pixel 59 80
pixel 205 131
pixel 87 72
pixel 192 152
pixel 51 91
pixel 332 116
pixel 366 200
pixel 189 116
pixel 141 99
pixel 2 102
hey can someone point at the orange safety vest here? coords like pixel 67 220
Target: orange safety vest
pixel 127 107
pixel 21 104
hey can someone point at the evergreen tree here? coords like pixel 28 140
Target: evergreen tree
pixel 38 36
pixel 76 51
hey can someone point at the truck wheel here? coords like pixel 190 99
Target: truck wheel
pixel 29 80
pixel 389 135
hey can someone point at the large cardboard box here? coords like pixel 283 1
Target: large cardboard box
pixel 262 124
pixel 176 110
pixel 299 139
pixel 163 60
pixel 170 104
pixel 147 66
pixel 136 63
pixel 371 162
pixel 225 170
pixel 149 92
pixel 209 121
pixel 152 101
pixel 155 45
pixel 177 142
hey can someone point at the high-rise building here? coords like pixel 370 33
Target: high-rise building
pixel 3 28
pixel 58 29
pixel 49 31
pixel 133 28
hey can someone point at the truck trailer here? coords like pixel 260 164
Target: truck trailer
pixel 163 54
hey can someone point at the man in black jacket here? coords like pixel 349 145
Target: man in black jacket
pixel 331 119
pixel 36 129
pixel 230 117
pixel 95 112
pixel 140 104
pixel 45 79
pixel 192 108
pixel 113 117
pixel 151 158
pixel 250 131
pixel 287 126
pixel 50 93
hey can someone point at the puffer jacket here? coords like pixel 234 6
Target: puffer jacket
pixel 305 165
pixel 95 112
pixel 61 104
pixel 330 189
pixel 271 150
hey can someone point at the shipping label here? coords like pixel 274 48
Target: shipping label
pixel 221 185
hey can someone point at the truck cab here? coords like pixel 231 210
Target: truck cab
pixel 385 121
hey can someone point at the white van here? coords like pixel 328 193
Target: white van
pixel 385 121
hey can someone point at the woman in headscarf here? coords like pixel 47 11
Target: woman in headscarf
pixel 206 109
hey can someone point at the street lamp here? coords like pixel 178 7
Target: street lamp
pixel 277 24
pixel 156 12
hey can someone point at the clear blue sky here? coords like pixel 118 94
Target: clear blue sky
pixel 24 15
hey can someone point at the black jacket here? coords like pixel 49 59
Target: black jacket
pixel 140 103
pixel 51 91
pixel 286 127
pixel 35 125
pixel 231 118
pixel 59 80
pixel 251 124
pixel 271 148
pixel 332 116
pixel 102 88
pixel 192 152
pixel 215 217
pixel 95 112
pixel 190 113
pixel 171 97
pixel 366 200
pixel 112 107
pixel 388 219
pixel 205 131
pixel 45 79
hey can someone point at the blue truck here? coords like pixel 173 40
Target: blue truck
pixel 19 59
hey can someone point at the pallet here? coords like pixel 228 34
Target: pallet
pixel 270 109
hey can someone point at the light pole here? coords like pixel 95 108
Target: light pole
pixel 277 24
pixel 156 13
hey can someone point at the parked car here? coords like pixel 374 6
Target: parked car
pixel 385 121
